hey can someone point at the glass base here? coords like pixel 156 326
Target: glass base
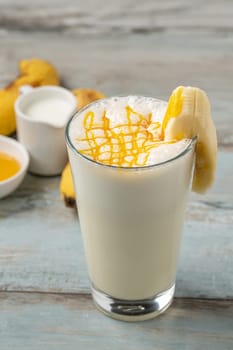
pixel 134 310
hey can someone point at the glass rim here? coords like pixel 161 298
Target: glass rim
pixel 188 148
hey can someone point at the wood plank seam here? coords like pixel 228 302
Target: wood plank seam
pixel 89 296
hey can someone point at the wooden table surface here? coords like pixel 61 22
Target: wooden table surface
pixel 118 47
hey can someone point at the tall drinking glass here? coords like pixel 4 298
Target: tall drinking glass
pixel 131 222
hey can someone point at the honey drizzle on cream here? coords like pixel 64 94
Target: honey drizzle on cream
pixel 142 141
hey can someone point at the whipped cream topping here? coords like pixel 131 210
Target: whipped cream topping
pixel 124 131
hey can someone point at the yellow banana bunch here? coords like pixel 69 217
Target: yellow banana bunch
pixel 84 97
pixel 34 72
pixel 188 114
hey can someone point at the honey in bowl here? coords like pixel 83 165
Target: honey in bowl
pixel 9 166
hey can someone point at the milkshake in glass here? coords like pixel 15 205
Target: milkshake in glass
pixel 131 188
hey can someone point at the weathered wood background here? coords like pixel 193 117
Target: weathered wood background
pixel 118 47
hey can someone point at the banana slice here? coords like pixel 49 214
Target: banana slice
pixel 188 114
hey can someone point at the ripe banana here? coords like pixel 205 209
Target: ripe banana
pixel 84 97
pixel 188 114
pixel 67 187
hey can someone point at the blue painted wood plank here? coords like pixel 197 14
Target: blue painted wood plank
pixel 151 63
pixel 56 322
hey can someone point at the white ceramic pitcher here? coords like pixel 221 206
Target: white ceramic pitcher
pixel 44 140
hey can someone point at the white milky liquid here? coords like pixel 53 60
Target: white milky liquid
pixel 51 109
pixel 131 219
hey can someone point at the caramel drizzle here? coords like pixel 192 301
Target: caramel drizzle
pixel 127 144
